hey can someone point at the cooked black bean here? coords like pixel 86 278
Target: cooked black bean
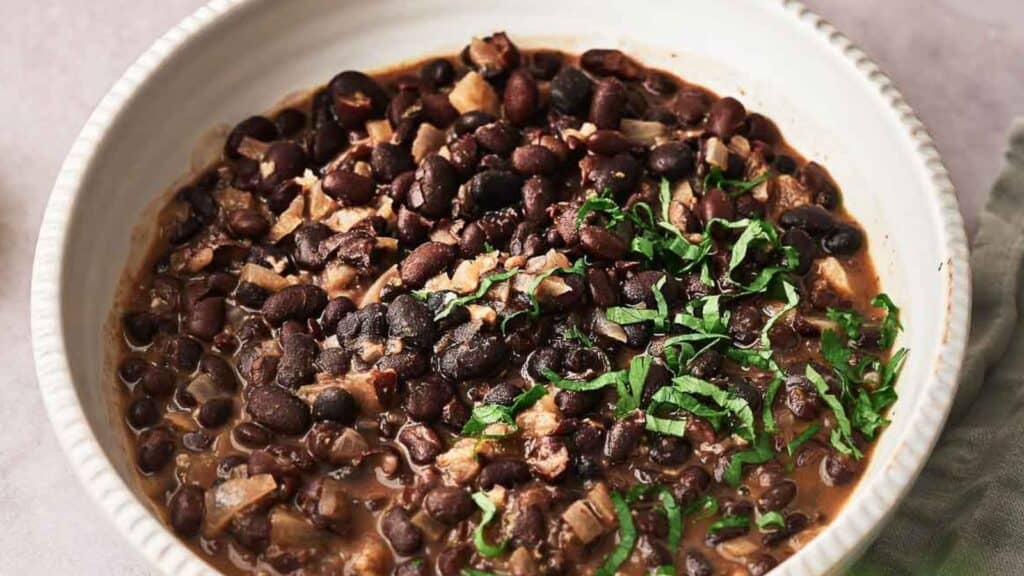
pixel 448 504
pixel 725 117
pixel 844 240
pixel 206 318
pixel 639 288
pixel 706 364
pixel 602 244
pixel 215 412
pixel 696 564
pixel 494 189
pixel 347 187
pixel 426 399
pixel 745 324
pixel 618 176
pixel 471 359
pixel 411 321
pixel 838 469
pixel 422 442
pixel 283 160
pixel 671 160
pixel 498 137
pixel 425 262
pixel 608 143
pixel 534 159
pixel 435 186
pixel 187 507
pixel 670 450
pixel 813 219
pixel 622 439
pixel 507 473
pixel 608 104
pixel 154 450
pixel 521 97
pixel 296 365
pixel 277 409
pixel 356 97
pixel 715 204
pixel 570 90
pixel 760 563
pixel 251 435
pixel 777 497
pixel 255 127
pixel 140 328
pixel 294 303
pixel 247 223
pixel 403 535
pixel 143 412
pixel 802 399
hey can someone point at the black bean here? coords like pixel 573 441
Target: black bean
pixel 669 450
pixel 255 127
pixel 605 62
pixel 502 393
pixel 845 240
pixel 296 366
pixel 412 228
pixel 140 327
pixel 251 531
pixel 534 159
pixel 506 472
pixel 157 381
pixel 448 505
pixel 334 311
pixel 813 219
pixel 472 240
pixel 838 469
pixel 608 104
pixel 537 195
pixel 465 361
pixel 435 186
pixel 802 399
pixel 206 318
pixel 289 121
pixel 498 137
pixel 818 180
pixel 335 405
pixel 426 399
pixel 278 409
pixel 389 160
pixel 805 247
pixel 495 189
pixel 570 91
pixel 544 65
pixel 285 159
pixel 422 442
pixel 760 563
pixel 618 176
pixel 639 288
pixel 411 321
pixel 281 196
pixel 761 128
pixel 608 143
pixel 131 369
pixel 622 440
pixel 403 535
pixel 251 435
pixel 521 97
pixel 602 292
pixel 725 117
pixel 574 404
pixel 745 323
pixel 414 567
pixel 602 244
pixel 715 204
pixel 696 564
pixel 777 497
pixel 187 508
pixel 438 110
pixel 425 262
pixel 707 364
pixel 215 412
pixel 437 73
pixel 247 223
pixel 154 450
pixel 327 141
pixel 672 160
pixel 690 105
pixel 143 413
pixel 347 187
pixel 470 121
pixel 299 302
pixel 356 97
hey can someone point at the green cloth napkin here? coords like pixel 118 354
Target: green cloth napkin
pixel 965 514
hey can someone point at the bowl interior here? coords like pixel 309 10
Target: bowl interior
pixel 766 54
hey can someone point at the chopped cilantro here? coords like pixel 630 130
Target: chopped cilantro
pixel 485 285
pixel 486 414
pixel 793 445
pixel 627 538
pixel 488 508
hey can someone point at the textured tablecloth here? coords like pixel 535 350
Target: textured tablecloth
pixel 965 514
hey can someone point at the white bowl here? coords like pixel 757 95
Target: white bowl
pixel 232 58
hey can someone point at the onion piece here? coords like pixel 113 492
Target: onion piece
pixel 229 498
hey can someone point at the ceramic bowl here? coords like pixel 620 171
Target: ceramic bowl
pixel 234 57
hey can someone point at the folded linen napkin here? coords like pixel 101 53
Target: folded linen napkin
pixel 965 514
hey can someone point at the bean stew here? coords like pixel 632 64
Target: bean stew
pixel 505 313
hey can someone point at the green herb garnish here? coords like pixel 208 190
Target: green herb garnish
pixel 760 453
pixel 534 310
pixel 703 507
pixel 627 538
pixel 716 179
pixel 848 320
pixel 802 438
pixel 891 325
pixel 488 508
pixel 486 414
pixel 604 204
pixel 726 522
pixel 736 406
pixel 842 436
pixel 771 519
pixel 485 285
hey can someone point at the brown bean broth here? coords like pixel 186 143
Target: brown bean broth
pixel 374 489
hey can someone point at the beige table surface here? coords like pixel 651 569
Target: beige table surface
pixel 960 63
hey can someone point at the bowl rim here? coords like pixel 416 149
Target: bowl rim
pixel 164 551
